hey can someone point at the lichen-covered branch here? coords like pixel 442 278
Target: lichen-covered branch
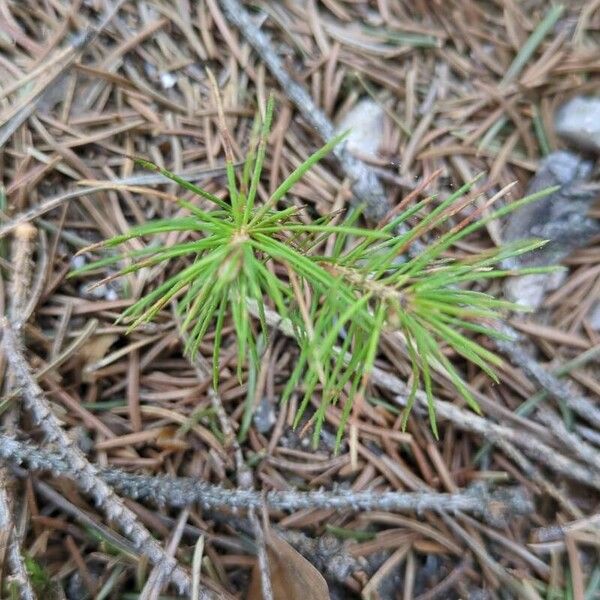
pixel 22 248
pixel 16 566
pixel 177 492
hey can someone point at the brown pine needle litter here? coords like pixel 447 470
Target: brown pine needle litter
pixel 124 474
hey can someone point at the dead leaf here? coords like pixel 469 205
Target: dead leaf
pixel 167 440
pixel 95 349
pixel 292 576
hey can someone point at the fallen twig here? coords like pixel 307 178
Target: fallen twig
pixel 584 451
pixel 243 473
pixel 508 580
pixel 177 492
pixel 245 482
pixel 261 553
pixel 494 432
pixel 16 566
pixel 534 474
pixel 560 390
pixel 159 575
pixel 21 254
pixel 81 471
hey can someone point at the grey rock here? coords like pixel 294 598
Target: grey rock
pixel 264 416
pixel 561 217
pixel 530 290
pixel 578 122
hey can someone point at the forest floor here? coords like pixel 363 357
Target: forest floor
pixel 457 88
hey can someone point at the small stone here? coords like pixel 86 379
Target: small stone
pixel 561 217
pixel 78 261
pixel 365 122
pixel 167 80
pixel 530 290
pixel 264 416
pixel 578 122
pixel 101 292
pixel 98 291
pixel 111 295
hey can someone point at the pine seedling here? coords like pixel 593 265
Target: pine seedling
pixel 237 250
pixel 234 248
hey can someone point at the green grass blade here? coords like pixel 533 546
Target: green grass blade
pixel 532 43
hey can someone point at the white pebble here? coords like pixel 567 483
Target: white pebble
pixel 78 261
pixel 365 122
pixel 167 80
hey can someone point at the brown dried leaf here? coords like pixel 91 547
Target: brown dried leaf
pixel 95 349
pixel 167 440
pixel 292 576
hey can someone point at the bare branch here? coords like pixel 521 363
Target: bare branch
pixel 495 507
pixel 21 252
pixel 582 405
pixel 464 419
pixel 263 558
pixel 159 576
